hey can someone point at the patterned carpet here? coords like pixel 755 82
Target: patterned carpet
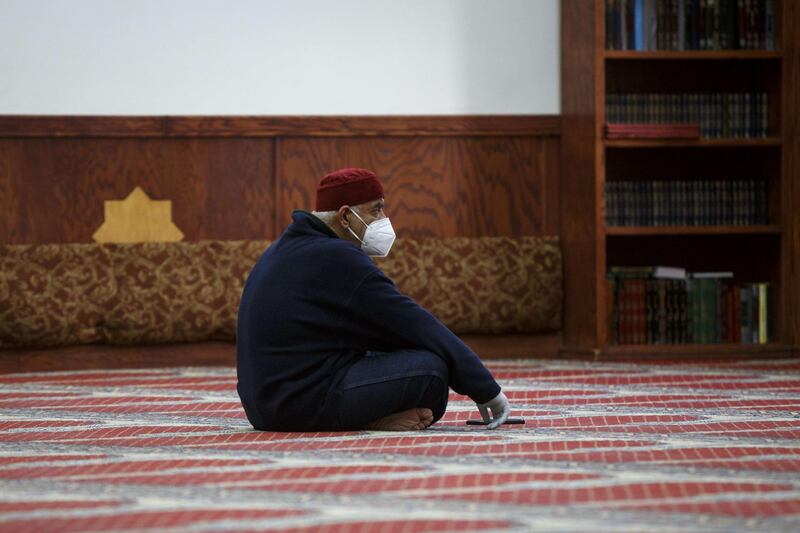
pixel 606 447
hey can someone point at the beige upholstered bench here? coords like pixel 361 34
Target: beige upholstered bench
pixel 141 294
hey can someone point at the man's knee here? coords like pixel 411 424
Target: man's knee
pixel 434 365
pixel 439 386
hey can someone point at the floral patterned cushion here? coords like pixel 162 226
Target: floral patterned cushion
pixel 54 294
pixel 64 294
pixel 482 285
pixel 178 292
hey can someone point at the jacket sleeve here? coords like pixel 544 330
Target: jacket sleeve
pixel 378 303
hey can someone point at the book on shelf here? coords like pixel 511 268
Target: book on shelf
pixel 718 115
pixel 677 202
pixel 658 272
pixel 711 275
pixel 644 25
pixel 701 307
pixel 652 131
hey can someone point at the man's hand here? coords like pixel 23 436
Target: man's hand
pixel 500 410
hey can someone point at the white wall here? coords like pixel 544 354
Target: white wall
pixel 279 57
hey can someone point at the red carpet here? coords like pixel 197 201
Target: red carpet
pixel 606 447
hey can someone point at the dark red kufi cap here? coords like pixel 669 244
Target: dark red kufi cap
pixel 347 186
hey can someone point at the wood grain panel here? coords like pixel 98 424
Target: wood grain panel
pixel 581 97
pixel 446 176
pixel 81 126
pixel 420 199
pixel 504 185
pixel 276 126
pixel 219 188
pixel 12 223
pixel 436 187
pixel 502 125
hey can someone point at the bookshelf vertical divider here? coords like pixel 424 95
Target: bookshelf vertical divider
pixel 756 252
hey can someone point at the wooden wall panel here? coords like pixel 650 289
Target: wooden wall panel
pixel 509 186
pixel 11 223
pixel 436 187
pixel 278 126
pixel 445 176
pixel 53 189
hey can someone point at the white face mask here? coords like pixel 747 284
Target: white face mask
pixel 378 238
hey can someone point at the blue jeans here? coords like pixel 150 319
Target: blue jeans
pixel 383 383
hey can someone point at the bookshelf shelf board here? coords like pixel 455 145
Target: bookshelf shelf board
pixel 693 54
pixel 635 231
pixel 677 350
pixel 676 143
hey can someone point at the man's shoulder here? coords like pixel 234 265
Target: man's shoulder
pixel 318 247
pixel 345 252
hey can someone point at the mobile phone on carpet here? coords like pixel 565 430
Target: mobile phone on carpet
pixel 508 421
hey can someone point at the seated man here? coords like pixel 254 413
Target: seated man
pixel 325 341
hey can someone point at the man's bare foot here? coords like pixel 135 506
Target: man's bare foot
pixel 411 420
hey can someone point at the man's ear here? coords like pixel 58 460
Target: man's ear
pixel 342 219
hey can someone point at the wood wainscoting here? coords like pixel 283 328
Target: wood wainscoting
pixel 240 177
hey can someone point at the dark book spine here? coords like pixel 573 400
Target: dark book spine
pixel 622 310
pixel 650 312
pixel 754 312
pixel 744 319
pixel 719 322
pixel 629 24
pixel 685 326
pixel 691 310
pixel 737 313
pixel 769 25
pixel 611 310
pixel 770 312
pixel 642 301
pixel 740 27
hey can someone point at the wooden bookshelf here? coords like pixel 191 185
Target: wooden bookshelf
pixel 702 55
pixel 763 252
pixel 688 143
pixel 623 231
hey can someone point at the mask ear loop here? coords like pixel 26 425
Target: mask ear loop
pixel 353 233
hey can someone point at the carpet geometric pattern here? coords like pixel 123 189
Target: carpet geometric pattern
pixel 606 447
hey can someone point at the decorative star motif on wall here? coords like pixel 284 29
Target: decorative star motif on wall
pixel 138 218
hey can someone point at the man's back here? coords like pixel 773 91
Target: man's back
pixel 294 335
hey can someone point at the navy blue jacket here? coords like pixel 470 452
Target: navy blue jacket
pixel 311 306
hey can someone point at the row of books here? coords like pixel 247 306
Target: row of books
pixel 686 202
pixel 667 305
pixel 719 115
pixel 690 24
